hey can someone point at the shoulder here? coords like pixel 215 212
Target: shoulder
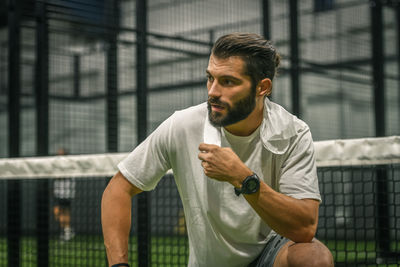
pixel 300 126
pixel 183 121
pixel 190 117
pixel 187 126
pixel 288 121
pixel 302 142
pixel 280 129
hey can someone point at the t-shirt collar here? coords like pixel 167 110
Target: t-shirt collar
pixel 276 129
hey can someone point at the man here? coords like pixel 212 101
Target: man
pixel 64 193
pixel 244 168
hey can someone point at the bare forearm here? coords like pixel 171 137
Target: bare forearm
pixel 116 223
pixel 292 218
pixel 295 219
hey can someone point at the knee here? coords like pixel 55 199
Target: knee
pixel 312 261
pixel 314 255
pixel 324 260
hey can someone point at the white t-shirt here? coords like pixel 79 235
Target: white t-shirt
pixel 64 188
pixel 223 229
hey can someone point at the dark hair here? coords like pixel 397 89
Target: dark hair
pixel 260 57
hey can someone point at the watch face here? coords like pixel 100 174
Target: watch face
pixel 251 185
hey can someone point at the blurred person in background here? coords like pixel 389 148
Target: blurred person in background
pixel 64 193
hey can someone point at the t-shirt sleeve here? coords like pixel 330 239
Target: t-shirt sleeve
pixel 148 162
pixel 298 177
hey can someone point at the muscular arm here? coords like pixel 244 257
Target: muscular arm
pixel 116 217
pixel 295 219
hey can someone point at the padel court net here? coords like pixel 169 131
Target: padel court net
pixel 50 208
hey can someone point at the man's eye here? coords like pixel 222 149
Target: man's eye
pixel 210 78
pixel 227 82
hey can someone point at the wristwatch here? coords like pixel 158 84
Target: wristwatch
pixel 250 185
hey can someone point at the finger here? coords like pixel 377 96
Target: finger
pixel 206 169
pixel 203 147
pixel 204 164
pixel 202 156
pixel 206 147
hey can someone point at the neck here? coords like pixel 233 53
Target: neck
pixel 247 126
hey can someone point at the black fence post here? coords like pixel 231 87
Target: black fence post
pixel 397 10
pixel 266 26
pixel 382 204
pixel 143 225
pixel 112 75
pixel 378 67
pixel 14 109
pixel 42 80
pixel 42 130
pixel 294 58
pixel 77 75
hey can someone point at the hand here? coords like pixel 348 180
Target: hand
pixel 222 164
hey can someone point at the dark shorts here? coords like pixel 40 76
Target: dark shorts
pixel 268 255
pixel 63 203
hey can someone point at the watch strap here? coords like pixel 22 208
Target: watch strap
pixel 238 191
pixel 242 190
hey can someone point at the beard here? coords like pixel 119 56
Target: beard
pixel 235 113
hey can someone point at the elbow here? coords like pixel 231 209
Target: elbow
pixel 307 229
pixel 305 234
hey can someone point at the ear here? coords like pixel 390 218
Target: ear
pixel 264 87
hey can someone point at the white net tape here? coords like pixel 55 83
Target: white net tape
pixel 364 151
pixel 350 152
pixel 93 165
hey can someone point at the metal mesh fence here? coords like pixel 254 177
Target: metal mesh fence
pixel 359 216
pixel 92 46
pixel 72 214
pixel 93 95
pixel 359 219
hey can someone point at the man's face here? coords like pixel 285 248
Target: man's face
pixel 231 95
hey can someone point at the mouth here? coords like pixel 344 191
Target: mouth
pixel 218 108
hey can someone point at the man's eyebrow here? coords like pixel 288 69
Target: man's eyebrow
pixel 225 76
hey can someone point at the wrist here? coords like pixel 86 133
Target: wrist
pixel 240 177
pixel 249 186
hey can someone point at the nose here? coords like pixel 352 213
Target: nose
pixel 214 90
